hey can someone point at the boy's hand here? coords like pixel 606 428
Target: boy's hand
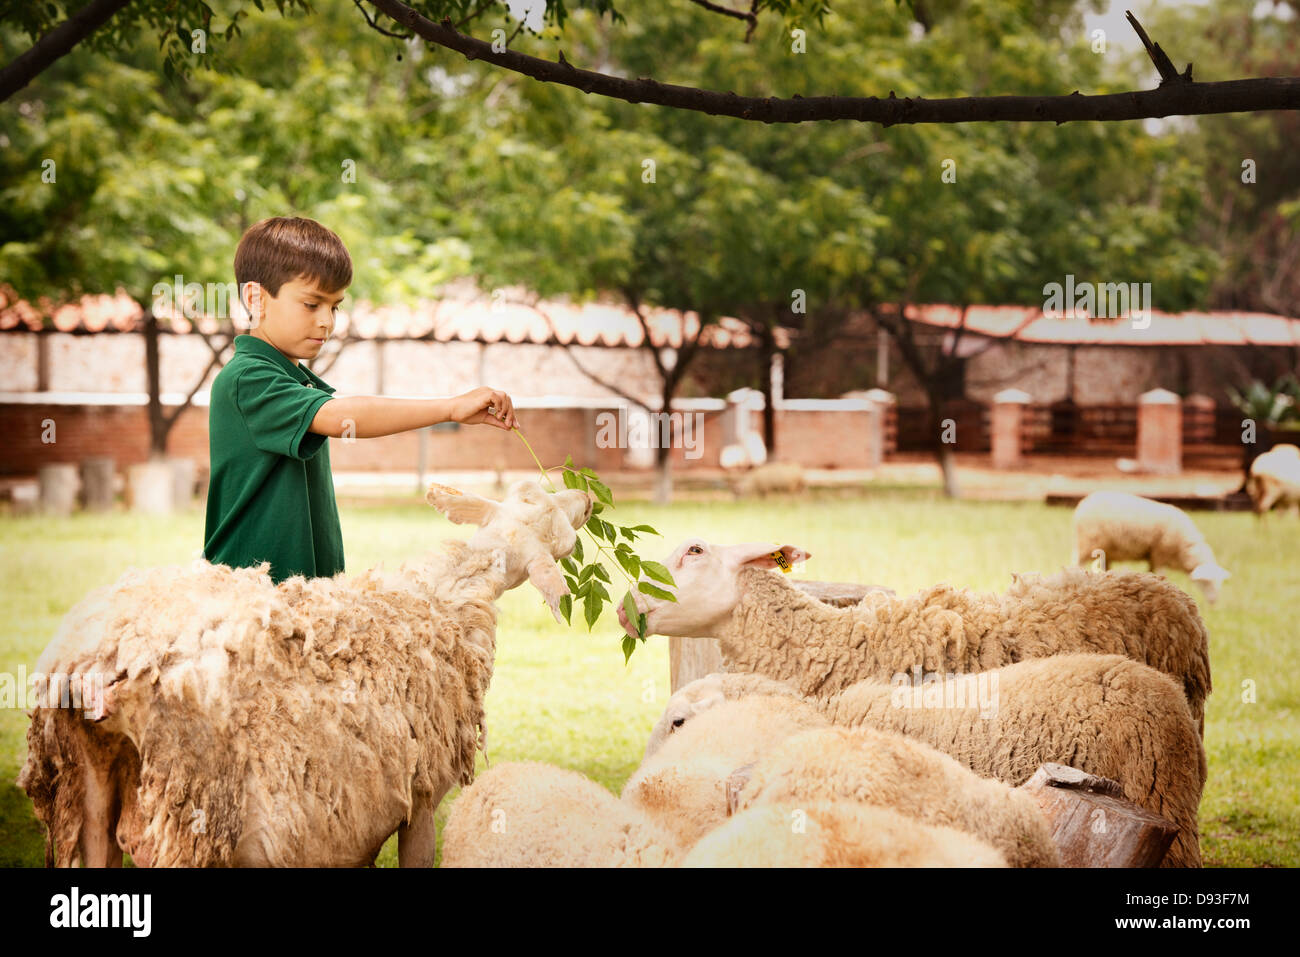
pixel 481 405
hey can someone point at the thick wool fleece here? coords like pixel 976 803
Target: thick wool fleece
pixel 837 834
pixel 904 775
pixel 298 724
pixel 1102 714
pixel 683 786
pixel 535 815
pixel 778 631
pixel 1131 528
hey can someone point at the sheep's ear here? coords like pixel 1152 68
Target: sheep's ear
pixel 546 578
pixel 765 556
pixel 460 507
pixel 1210 572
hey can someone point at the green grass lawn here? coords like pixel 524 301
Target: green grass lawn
pixel 564 696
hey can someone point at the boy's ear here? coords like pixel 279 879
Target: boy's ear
pixel 250 294
pixel 461 507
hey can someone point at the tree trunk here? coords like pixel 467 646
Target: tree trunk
pixel 767 349
pixel 157 423
pixel 663 452
pixel 663 477
pixel 943 451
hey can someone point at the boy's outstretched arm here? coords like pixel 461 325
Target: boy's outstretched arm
pixel 375 415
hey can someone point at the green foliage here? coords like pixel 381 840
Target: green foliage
pixel 1275 406
pixel 585 580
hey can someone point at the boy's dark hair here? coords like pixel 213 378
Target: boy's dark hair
pixel 284 248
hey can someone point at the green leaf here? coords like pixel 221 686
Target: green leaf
pixel 602 574
pixel 645 528
pixel 583 589
pixel 585 573
pixel 650 589
pixel 591 609
pixel 640 625
pixel 629 646
pixel 569 565
pixel 577 548
pixel 602 491
pixel 566 607
pixel 629 606
pixel 657 572
pixel 631 564
pixel 572 480
pixel 597 588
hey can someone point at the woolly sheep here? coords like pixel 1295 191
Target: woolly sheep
pixel 300 724
pixel 1103 714
pixel 1127 527
pixel 778 477
pixel 535 815
pixel 837 834
pixel 866 766
pixel 765 625
pixel 683 786
pixel 705 693
pixel 1275 479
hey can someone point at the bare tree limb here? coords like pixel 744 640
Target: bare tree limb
pixel 27 66
pixel 370 21
pixel 1185 98
pixel 1164 66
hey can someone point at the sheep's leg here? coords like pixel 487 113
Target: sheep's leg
pixel 99 824
pixel 417 841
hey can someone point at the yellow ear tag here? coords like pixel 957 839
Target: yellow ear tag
pixel 778 556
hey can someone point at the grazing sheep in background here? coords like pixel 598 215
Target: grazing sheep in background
pixel 770 477
pixel 765 625
pixel 1275 479
pixel 683 787
pixel 534 815
pixel 1102 714
pixel 1131 528
pixel 888 770
pixel 837 834
pixel 299 724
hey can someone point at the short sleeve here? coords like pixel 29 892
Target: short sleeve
pixel 278 411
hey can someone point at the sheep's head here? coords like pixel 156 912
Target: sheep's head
pixel 707 588
pixel 533 529
pixel 689 700
pixel 1210 576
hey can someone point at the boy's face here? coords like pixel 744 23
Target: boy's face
pixel 298 320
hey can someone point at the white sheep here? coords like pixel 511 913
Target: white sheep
pixel 1102 714
pixel 534 815
pixel 837 834
pixel 683 786
pixel 887 770
pixel 302 724
pixel 765 625
pixel 1124 527
pixel 1275 479
pixel 770 477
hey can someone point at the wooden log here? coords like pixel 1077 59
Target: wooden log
pixel 692 658
pixel 97 483
pixel 58 484
pixel 149 488
pixel 1093 825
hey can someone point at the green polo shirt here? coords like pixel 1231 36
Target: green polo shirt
pixel 271 492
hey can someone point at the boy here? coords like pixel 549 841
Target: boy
pixel 271 493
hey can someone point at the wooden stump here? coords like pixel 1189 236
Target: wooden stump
pixel 97 483
pixel 149 487
pixel 58 484
pixel 182 482
pixel 692 658
pixel 1093 825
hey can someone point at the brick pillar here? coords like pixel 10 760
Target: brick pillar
pixel 1008 422
pixel 1160 432
pixel 882 402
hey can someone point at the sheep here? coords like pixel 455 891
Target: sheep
pixel 778 477
pixel 1127 527
pixel 683 787
pixel 765 625
pixel 889 770
pixel 528 814
pixel 703 694
pixel 837 834
pixel 301 724
pixel 1275 479
pixel 1103 714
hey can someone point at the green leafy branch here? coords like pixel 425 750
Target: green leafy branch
pixel 587 581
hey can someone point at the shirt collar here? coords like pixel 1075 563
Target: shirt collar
pixel 260 347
